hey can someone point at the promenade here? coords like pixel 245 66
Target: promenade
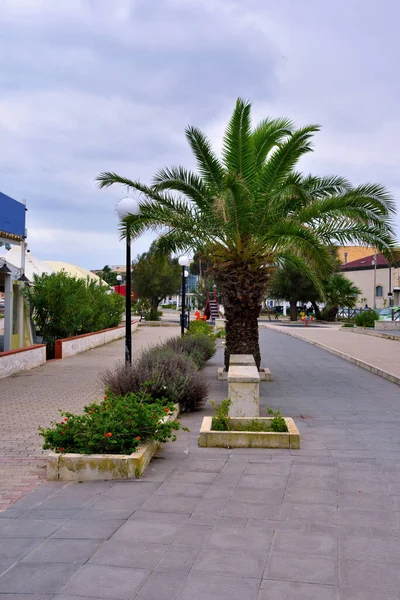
pixel 319 523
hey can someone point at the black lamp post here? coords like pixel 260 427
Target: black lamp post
pixel 184 262
pixel 119 279
pixel 128 206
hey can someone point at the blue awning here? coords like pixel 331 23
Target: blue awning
pixel 12 218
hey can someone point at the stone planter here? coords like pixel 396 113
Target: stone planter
pixel 264 373
pixel 249 439
pixel 95 467
pixel 220 323
pixel 243 360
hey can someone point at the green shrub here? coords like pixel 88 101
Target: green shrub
pixel 163 373
pixel 64 306
pixel 200 328
pixel 278 423
pixel 366 318
pixel 141 306
pixel 221 421
pixel 115 426
pixel 200 348
pixel 348 325
pixel 220 334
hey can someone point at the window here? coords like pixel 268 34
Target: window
pixel 379 291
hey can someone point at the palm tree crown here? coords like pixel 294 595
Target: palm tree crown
pixel 251 208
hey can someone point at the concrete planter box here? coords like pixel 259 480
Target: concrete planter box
pixel 387 325
pixel 220 323
pixel 95 467
pixel 249 439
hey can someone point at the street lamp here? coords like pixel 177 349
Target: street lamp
pixel 119 279
pixel 128 206
pixel 184 261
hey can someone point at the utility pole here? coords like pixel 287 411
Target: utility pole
pixel 374 263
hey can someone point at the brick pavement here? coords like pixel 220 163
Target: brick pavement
pixel 319 523
pixel 33 398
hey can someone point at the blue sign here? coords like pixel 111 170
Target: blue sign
pixel 12 216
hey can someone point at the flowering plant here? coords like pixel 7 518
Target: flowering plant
pixel 117 425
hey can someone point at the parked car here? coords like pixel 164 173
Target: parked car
pixel 385 314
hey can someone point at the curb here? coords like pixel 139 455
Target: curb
pixel 378 334
pixel 352 359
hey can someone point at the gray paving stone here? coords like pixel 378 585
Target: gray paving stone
pixel 179 558
pixel 170 504
pixel 303 568
pixel 100 581
pixel 32 578
pixel 130 489
pixel 239 563
pixel 375 550
pixel 51 514
pixel 162 586
pixel 250 510
pixel 214 587
pixel 268 482
pixel 193 477
pixel 210 506
pixel 147 531
pixel 358 593
pixel 311 496
pixel 60 551
pixel 28 597
pixel 241 540
pixel 88 529
pixel 317 513
pixel 15 549
pixel 200 465
pixel 4 566
pixel 305 543
pixel 259 496
pixel 365 517
pixel 129 505
pixel 365 501
pixel 284 590
pixel 354 486
pixel 216 490
pixel 189 490
pixel 31 528
pixel 119 553
pixel 193 535
pixel 267 469
pixel 119 514
pixel 155 517
pixel 381 576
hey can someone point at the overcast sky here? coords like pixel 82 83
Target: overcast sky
pixel 110 85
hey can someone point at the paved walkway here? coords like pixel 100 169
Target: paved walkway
pixel 33 398
pixel 320 523
pixel 371 352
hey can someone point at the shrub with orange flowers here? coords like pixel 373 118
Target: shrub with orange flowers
pixel 114 426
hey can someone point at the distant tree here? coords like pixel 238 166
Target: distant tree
pixel 109 276
pixel 155 277
pixel 292 285
pixel 339 291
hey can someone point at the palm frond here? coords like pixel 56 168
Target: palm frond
pixel 208 164
pixel 238 145
pixel 181 180
pixel 284 159
pixel 267 135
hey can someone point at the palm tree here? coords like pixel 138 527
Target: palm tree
pixel 250 210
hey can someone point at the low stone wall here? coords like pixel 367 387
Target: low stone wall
pixel 23 359
pixel 81 343
pixel 387 325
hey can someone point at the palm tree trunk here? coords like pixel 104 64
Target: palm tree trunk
pixel 316 310
pixel 243 287
pixel 293 310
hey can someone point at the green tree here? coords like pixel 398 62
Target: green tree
pixel 252 208
pixel 109 276
pixel 290 284
pixel 154 277
pixel 339 291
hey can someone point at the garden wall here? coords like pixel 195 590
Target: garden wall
pixel 81 343
pixel 22 359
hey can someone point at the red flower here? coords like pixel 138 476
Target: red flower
pixel 63 433
pixel 166 410
pixel 66 419
pixel 138 438
pixel 153 416
pixel 61 449
pixel 108 435
pixel 105 397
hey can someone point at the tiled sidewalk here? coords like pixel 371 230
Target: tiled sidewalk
pixel 33 398
pixel 320 523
